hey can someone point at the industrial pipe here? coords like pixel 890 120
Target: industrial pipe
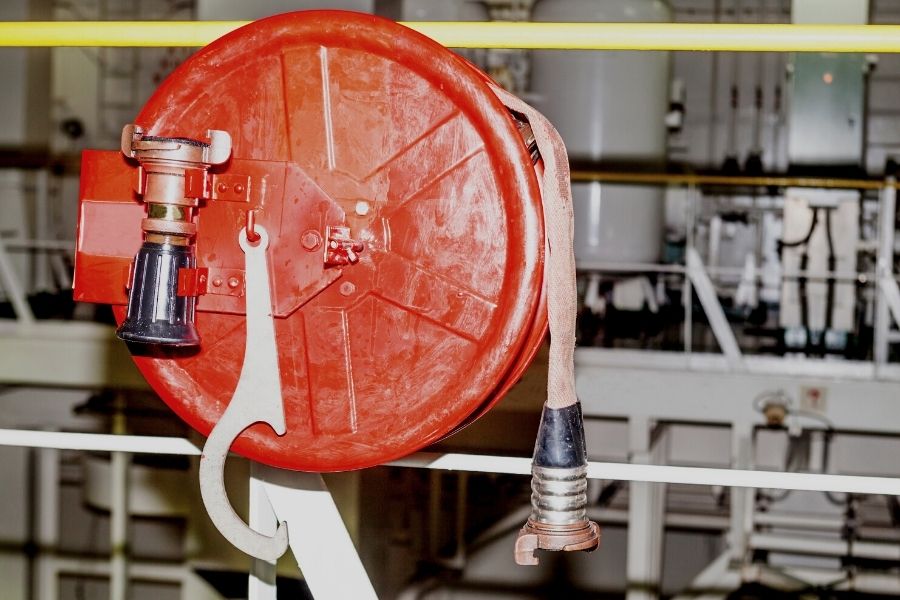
pixel 538 36
pixel 696 179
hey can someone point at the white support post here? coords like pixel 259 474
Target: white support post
pixel 262 584
pixel 688 295
pixel 318 537
pixel 435 491
pixel 706 292
pixel 890 292
pixel 741 498
pixel 62 276
pixel 41 259
pixel 46 581
pixel 118 536
pixel 119 512
pixel 884 268
pixel 646 518
pixel 13 287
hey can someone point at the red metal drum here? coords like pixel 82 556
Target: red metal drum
pixel 342 119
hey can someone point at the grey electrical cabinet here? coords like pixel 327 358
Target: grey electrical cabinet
pixel 827 110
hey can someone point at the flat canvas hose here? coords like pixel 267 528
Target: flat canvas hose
pixel 559 465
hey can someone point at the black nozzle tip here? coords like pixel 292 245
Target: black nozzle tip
pixel 161 333
pixel 157 314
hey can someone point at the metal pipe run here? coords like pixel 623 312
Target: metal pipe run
pixel 543 36
pixel 689 179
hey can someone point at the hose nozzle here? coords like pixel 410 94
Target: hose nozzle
pixel 171 180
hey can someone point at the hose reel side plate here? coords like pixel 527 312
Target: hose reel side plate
pixel 432 176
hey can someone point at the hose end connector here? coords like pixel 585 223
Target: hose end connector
pixel 558 520
pixel 536 536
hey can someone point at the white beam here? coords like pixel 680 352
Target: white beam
pixel 480 463
pixel 668 386
pixel 99 442
pixel 67 354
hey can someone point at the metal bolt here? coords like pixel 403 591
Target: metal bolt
pixel 238 188
pixel 233 282
pixel 222 188
pixel 217 281
pixel 362 208
pixel 203 279
pixel 347 288
pixel 310 240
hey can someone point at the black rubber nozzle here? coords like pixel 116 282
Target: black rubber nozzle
pixel 156 313
pixel 560 438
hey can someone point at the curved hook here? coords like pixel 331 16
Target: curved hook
pixel 215 498
pixel 257 399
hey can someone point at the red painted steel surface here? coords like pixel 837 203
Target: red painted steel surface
pixel 443 311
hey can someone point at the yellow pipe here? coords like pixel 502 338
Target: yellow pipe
pixel 666 36
pixel 679 179
pixel 555 36
pixel 114 33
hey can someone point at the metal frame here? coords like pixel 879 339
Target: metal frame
pixel 321 543
pixel 648 388
pixel 319 539
pixel 697 278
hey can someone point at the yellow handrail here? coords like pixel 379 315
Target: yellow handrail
pixel 553 36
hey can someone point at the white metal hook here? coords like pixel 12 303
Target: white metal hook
pixel 257 399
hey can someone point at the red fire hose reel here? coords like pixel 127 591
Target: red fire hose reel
pixel 344 127
pixel 404 242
